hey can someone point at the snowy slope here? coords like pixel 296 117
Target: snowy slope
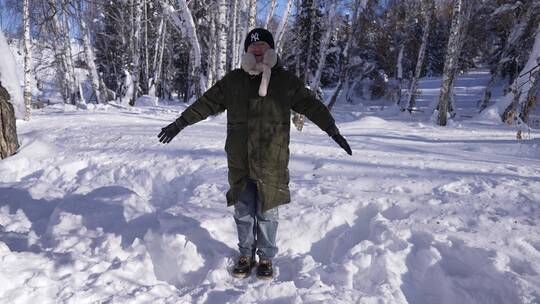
pixel 94 209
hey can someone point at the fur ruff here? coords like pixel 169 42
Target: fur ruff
pixel 252 67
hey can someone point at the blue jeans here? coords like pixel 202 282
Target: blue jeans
pixel 256 230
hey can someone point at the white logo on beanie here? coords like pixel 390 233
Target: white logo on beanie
pixel 254 37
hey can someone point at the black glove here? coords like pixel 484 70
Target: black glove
pixel 170 131
pixel 342 142
pixel 333 131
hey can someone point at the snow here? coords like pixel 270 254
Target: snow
pixel 94 209
pixel 9 77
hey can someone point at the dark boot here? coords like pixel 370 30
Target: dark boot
pixel 265 270
pixel 242 268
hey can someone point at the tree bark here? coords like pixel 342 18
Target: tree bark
pixel 27 94
pixel 282 25
pixel 90 60
pixel 345 64
pixel 455 42
pixel 314 85
pixel 8 130
pixel 270 14
pixel 222 39
pixel 411 100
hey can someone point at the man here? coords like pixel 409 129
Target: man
pixel 258 98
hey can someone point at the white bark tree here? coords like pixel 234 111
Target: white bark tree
pixel 136 50
pixel 221 27
pixel 252 17
pixel 325 42
pixel 525 87
pixel 282 26
pixel 186 26
pixel 428 6
pixel 460 17
pixel 99 91
pixel 270 14
pixel 27 60
pixel 353 28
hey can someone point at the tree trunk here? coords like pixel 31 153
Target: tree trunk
pixel 512 43
pixel 314 85
pixel 136 52
pixel 252 17
pixel 8 130
pixel 270 14
pixel 27 61
pixel 233 34
pixel 90 60
pixel 343 76
pixel 221 39
pixel 282 25
pixel 525 86
pixel 459 20
pixel 411 102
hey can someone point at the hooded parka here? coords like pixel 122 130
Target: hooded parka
pixel 258 128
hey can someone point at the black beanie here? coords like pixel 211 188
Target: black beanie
pixel 259 34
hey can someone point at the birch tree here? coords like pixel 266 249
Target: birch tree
pixel 136 50
pixel 270 14
pixel 252 17
pixel 325 42
pixel 99 91
pixel 512 43
pixel 221 39
pixel 461 10
pixel 282 26
pixel 428 6
pixel 186 26
pixel 352 30
pixel 27 60
pixel 525 88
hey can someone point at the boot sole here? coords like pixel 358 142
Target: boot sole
pixel 240 275
pixel 265 277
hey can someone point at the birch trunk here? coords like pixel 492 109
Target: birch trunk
pixel 252 18
pixel 186 26
pixel 270 14
pixel 512 42
pixel 310 42
pixel 411 99
pixel 314 85
pixel 136 55
pixel 282 25
pixel 233 34
pixel 211 63
pixel 400 72
pixel 8 130
pixel 27 94
pixel 90 60
pixel 242 28
pixel 146 69
pixel 459 16
pixel 158 58
pixel 345 64
pixel 75 91
pixel 525 86
pixel 222 39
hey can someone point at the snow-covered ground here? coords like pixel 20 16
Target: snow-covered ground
pixel 94 209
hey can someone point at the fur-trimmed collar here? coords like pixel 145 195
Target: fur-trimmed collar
pixel 252 67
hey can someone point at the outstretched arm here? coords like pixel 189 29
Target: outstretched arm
pixel 305 102
pixel 211 103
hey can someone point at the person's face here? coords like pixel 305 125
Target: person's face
pixel 258 49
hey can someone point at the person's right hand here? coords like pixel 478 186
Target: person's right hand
pixel 170 131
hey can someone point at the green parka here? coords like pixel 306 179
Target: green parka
pixel 258 128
